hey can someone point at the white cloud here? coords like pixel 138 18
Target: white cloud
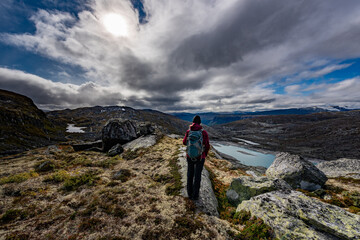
pixel 197 54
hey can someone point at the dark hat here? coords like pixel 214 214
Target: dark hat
pixel 197 119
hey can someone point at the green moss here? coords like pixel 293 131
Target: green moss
pixel 59 176
pixel 17 236
pixel 18 178
pixel 184 226
pixel 175 185
pixel 92 224
pixel 120 212
pixel 161 178
pixel 348 180
pixel 45 166
pixel 13 214
pixel 225 209
pixel 254 228
pixel 107 163
pixel 131 154
pixel 90 178
pixel 354 209
pixel 123 175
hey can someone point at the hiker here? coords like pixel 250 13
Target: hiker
pixel 197 141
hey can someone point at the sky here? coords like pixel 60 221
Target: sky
pixel 182 55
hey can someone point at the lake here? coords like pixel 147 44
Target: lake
pixel 72 129
pixel 244 155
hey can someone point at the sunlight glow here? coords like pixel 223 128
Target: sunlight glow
pixel 115 24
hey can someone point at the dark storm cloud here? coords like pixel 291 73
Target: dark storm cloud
pixel 247 28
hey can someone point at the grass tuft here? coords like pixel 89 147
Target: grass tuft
pixel 174 186
pixel 18 178
pixel 90 178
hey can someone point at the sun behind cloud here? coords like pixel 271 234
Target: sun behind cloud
pixel 115 24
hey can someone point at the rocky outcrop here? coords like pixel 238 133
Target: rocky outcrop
pixel 141 142
pixel 117 131
pixel 342 167
pixel 296 171
pixel 115 150
pixel 23 126
pixel 245 187
pixel 293 215
pixel 207 202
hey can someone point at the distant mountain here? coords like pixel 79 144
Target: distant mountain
pixel 95 118
pixel 23 126
pixel 213 118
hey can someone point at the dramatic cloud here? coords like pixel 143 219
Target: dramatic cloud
pixel 197 55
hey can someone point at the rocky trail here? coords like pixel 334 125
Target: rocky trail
pixel 207 202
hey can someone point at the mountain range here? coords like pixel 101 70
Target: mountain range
pixel 214 118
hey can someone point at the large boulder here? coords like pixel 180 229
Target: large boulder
pixel 245 187
pixel 293 215
pixel 342 167
pixel 296 171
pixel 117 131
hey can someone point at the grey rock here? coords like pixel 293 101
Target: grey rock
pixel 87 145
pixel 45 166
pixel 115 150
pixel 293 215
pixel 207 202
pixel 296 171
pixel 141 142
pixel 342 167
pixel 116 131
pixel 122 174
pixel 119 131
pixel 245 187
pixel 52 149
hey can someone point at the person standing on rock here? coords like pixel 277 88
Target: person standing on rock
pixel 197 147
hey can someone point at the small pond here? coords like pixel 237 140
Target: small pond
pixel 244 155
pixel 72 129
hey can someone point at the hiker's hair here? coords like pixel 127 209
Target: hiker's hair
pixel 197 119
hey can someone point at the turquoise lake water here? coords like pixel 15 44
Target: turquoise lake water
pixel 246 156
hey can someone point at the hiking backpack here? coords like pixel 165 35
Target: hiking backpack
pixel 194 145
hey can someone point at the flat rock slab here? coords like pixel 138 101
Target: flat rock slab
pixel 141 142
pixel 207 202
pixel 294 215
pixel 342 167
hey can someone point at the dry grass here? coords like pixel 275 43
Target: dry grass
pixel 81 199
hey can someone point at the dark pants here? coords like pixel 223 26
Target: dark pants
pixel 193 184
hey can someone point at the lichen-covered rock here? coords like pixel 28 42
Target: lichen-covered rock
pixel 115 150
pixel 341 167
pixel 293 215
pixel 116 131
pixel 296 171
pixel 245 187
pixel 141 142
pixel 207 202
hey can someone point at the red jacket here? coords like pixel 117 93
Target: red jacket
pixel 197 127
